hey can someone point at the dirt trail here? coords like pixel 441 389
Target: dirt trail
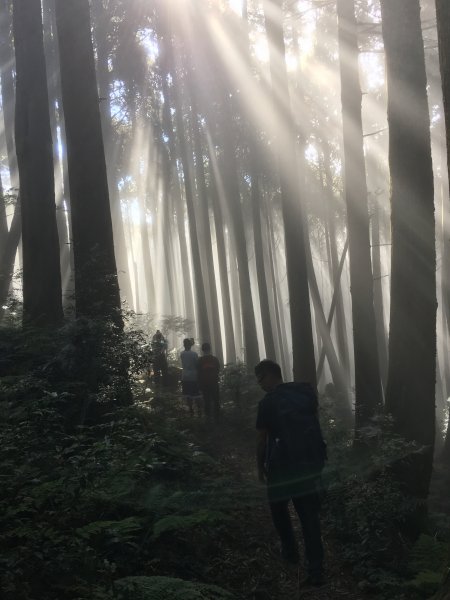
pixel 255 565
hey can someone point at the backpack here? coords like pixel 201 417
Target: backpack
pixel 298 443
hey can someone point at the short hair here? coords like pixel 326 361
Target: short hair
pixel 206 347
pixel 188 342
pixel 267 366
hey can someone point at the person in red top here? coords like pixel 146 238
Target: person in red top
pixel 208 368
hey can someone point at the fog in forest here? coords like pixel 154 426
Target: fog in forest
pixel 268 176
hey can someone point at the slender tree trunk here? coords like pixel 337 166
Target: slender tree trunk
pixel 201 312
pixel 42 297
pixel 410 394
pixel 368 393
pixel 269 342
pixel 304 367
pixel 340 321
pixel 229 329
pixel 96 285
pixel 443 28
pixel 230 182
pixel 8 91
pixel 205 225
pixel 378 292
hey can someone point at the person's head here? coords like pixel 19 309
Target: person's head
pixel 206 348
pixel 158 334
pixel 268 374
pixel 188 343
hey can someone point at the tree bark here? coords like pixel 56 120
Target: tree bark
pixel 304 368
pixel 410 394
pixel 96 285
pixel 42 296
pixel 368 393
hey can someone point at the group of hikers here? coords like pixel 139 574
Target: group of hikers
pixel 290 450
pixel 199 375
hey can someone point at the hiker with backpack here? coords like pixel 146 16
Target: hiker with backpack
pixel 208 368
pixel 290 457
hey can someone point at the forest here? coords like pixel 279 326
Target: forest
pixel 270 177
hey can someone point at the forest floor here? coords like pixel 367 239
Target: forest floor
pixel 245 557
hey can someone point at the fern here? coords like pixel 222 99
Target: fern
pixel 180 522
pixel 124 529
pixel 428 555
pixel 167 588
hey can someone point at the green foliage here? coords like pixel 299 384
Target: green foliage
pixel 182 522
pixel 167 588
pixel 238 386
pixel 83 501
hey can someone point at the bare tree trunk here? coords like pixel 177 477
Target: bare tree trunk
pixel 378 292
pixel 102 21
pixel 304 368
pixel 269 342
pixel 368 393
pixel 42 297
pixel 205 225
pixel 96 285
pixel 410 394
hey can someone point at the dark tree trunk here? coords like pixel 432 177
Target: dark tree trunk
pixel 8 92
pixel 340 320
pixel 205 225
pixel 232 194
pixel 8 255
pixel 304 368
pixel 368 393
pixel 96 285
pixel 443 28
pixel 42 298
pixel 54 88
pixel 255 192
pixel 410 394
pixel 201 308
pixel 102 21
pixel 229 329
pixel 378 292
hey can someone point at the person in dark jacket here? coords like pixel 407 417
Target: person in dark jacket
pixel 290 456
pixel 208 368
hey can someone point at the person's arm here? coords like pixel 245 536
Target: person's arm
pixel 261 444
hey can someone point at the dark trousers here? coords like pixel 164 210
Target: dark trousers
pixel 211 399
pixel 307 508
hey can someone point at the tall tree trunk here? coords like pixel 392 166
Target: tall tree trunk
pixel 42 296
pixel 201 312
pixel 410 394
pixel 232 192
pixel 96 285
pixel 443 29
pixel 215 184
pixel 368 393
pixel 255 192
pixel 205 223
pixel 340 321
pixel 304 368
pixel 378 292
pixel 8 255
pixel 8 92
pixel 54 88
pixel 102 21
